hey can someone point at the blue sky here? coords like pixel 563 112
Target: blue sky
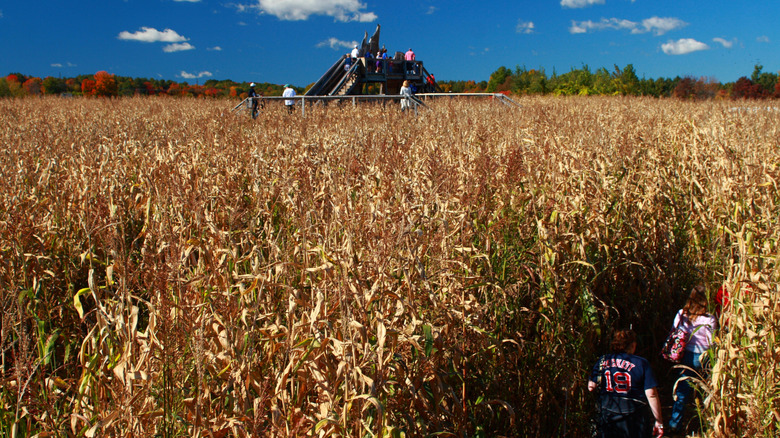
pixel 295 41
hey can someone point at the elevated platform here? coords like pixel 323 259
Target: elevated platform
pixel 343 79
pixel 367 78
pixel 354 76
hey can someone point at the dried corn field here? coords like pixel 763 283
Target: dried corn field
pixel 170 268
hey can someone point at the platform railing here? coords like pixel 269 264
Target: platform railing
pixel 501 97
pixel 416 100
pixel 392 67
pixel 303 99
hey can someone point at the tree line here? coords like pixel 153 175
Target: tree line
pixel 579 81
pixel 104 84
pixel 619 81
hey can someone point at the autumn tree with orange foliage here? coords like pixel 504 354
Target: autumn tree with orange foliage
pixel 87 87
pixel 32 86
pixel 14 85
pixel 174 90
pixel 105 84
pixel 149 88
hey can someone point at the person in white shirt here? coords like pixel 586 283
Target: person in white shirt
pixel 355 52
pixel 289 92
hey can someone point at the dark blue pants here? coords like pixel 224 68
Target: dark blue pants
pixel 684 392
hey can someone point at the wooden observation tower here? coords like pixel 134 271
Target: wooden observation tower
pixel 351 77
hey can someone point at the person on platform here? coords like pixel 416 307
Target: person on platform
pixel 410 64
pixel 369 62
pixel 379 61
pixel 380 64
pixel 627 391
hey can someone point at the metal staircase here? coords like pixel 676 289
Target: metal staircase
pixel 348 77
pixel 347 84
pixel 329 80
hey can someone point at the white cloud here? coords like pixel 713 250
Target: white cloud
pixel 683 46
pixel 190 1
pixel 580 3
pixel 656 25
pixel 152 35
pixel 56 64
pixel 431 10
pixel 177 47
pixel 336 44
pixel 763 39
pixel 724 42
pixel 578 27
pixel 341 10
pixel 203 74
pixel 525 26
pixel 604 24
pixel 364 17
pixel 215 49
pixel 660 26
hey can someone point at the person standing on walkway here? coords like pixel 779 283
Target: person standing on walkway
pixel 627 391
pixel 289 92
pixel 406 100
pixel 255 102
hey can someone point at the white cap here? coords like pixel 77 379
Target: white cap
pixel 252 84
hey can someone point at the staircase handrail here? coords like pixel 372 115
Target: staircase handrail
pixel 239 104
pixel 322 81
pixel 350 73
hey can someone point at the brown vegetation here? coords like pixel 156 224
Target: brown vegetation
pixel 171 268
